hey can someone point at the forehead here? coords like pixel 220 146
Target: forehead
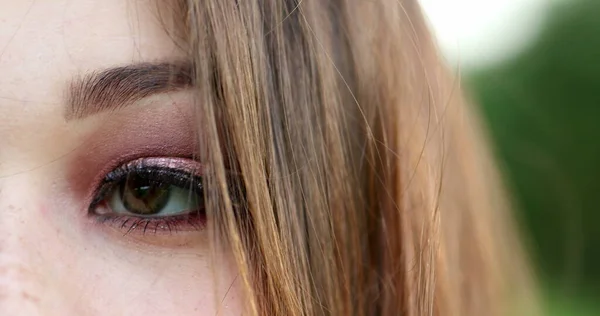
pixel 45 42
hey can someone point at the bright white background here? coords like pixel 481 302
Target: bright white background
pixel 477 33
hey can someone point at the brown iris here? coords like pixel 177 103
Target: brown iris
pixel 144 196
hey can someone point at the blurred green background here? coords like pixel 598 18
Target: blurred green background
pixel 543 109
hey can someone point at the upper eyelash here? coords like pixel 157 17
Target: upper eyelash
pixel 160 174
pixel 183 177
pixel 185 174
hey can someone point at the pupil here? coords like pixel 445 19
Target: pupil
pixel 143 196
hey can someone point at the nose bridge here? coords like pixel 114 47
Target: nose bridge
pixel 17 194
pixel 21 282
pixel 13 210
pixel 20 287
pixel 28 279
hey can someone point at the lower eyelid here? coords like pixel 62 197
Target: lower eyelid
pixel 154 225
pixel 100 211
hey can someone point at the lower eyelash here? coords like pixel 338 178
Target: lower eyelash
pixel 154 225
pixel 178 172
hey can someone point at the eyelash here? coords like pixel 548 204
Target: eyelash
pixel 182 176
pixel 143 225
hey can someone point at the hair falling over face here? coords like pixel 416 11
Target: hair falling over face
pixel 362 184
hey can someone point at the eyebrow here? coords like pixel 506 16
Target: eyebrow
pixel 115 88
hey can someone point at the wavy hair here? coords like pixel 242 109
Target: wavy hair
pixel 346 173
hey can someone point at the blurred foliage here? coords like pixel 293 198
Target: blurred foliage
pixel 543 108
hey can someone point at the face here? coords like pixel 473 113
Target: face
pixel 100 203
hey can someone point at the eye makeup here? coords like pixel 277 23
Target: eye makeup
pixel 177 171
pixel 153 143
pixel 155 130
pixel 176 182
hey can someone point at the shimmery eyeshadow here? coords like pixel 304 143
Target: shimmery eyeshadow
pixel 166 130
pixel 164 162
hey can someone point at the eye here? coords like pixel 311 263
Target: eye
pixel 151 194
pixel 141 195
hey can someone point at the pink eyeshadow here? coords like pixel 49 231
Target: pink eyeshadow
pixel 157 133
pixel 170 163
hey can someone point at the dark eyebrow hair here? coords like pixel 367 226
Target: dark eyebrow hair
pixel 118 87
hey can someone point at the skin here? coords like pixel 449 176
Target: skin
pixel 55 259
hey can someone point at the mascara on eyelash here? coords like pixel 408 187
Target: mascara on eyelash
pixel 172 171
pixel 189 222
pixel 155 172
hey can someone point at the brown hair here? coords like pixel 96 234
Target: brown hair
pixel 345 172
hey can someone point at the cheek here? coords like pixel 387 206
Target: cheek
pixel 97 273
pixel 43 210
pixel 141 283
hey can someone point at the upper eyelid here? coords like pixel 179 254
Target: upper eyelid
pixel 176 165
pixel 107 188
